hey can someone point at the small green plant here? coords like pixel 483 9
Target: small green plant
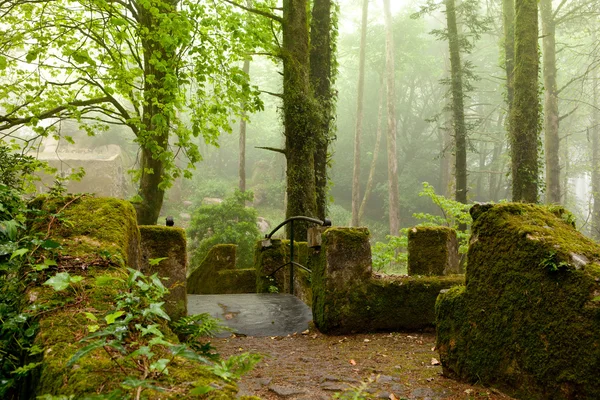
pixel 552 263
pixel 195 329
pixel 230 222
pixel 359 392
pixel 392 256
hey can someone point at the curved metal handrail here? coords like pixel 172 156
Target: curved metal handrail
pixel 326 222
pixel 293 263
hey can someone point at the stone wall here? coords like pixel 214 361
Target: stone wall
pixel 217 274
pixel 528 319
pixel 348 297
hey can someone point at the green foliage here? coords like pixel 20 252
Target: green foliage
pixel 230 222
pixel 194 329
pixel 134 334
pixel 235 366
pixel 391 256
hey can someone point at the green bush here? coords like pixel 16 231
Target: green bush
pixel 230 222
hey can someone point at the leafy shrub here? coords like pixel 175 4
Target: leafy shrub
pixel 230 222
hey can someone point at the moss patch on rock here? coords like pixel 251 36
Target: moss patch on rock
pixel 90 228
pixel 267 260
pixel 528 319
pixel 432 250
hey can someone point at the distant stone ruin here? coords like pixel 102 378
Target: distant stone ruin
pixel 105 170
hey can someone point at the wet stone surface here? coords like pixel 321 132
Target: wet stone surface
pixel 254 314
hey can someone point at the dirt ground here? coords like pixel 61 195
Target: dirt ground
pixel 314 366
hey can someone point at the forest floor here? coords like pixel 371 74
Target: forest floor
pixel 314 366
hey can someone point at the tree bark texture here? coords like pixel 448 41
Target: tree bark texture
pixel 299 114
pixel 458 111
pixel 359 117
pixel 394 202
pixel 524 122
pixel 551 117
pixel 321 81
pixel 154 136
pixel 508 17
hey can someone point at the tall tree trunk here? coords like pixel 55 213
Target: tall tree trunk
pixel 369 186
pixel 321 80
pixel 508 17
pixel 243 126
pixel 458 111
pixel 551 119
pixel 525 111
pixel 359 117
pixel 242 160
pixel 595 138
pixel 299 115
pixel 394 203
pixel 154 136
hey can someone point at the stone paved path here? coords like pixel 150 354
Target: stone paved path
pixel 314 366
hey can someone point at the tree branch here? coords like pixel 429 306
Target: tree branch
pixel 256 11
pixel 276 150
pixel 8 123
pixel 280 95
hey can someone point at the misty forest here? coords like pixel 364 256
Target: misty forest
pixel 229 116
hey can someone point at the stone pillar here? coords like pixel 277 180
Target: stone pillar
pixel 341 272
pixel 268 256
pixel 432 250
pixel 161 241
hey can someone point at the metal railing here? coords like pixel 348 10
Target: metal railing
pixel 291 262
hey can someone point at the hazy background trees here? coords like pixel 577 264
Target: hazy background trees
pixel 410 90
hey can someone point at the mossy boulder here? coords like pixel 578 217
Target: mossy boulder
pixel 217 274
pixel 528 319
pixel 432 250
pixel 169 243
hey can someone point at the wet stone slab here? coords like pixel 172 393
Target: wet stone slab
pixel 262 314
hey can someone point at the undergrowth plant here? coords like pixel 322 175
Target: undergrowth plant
pixel 392 256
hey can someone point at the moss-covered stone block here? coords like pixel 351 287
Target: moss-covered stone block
pixel 348 298
pixel 217 274
pixel 432 250
pixel 169 243
pixel 528 319
pixel 90 229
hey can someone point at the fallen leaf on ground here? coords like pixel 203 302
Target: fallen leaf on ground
pixel 352 362
pixel 434 362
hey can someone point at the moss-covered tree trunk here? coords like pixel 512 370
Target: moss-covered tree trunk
pixel 359 116
pixel 321 80
pixel 595 134
pixel 524 122
pixel 299 114
pixel 458 110
pixel 153 136
pixel 551 117
pixel 508 18
pixel 393 201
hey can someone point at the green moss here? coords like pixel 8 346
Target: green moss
pixel 89 227
pixel 164 239
pixel 525 320
pixel 432 250
pixel 348 298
